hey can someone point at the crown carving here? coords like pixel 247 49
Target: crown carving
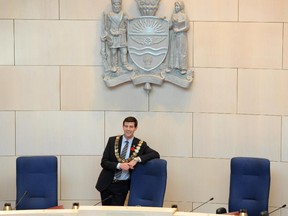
pixel 148 7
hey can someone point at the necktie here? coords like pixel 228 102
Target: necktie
pixel 122 155
pixel 124 150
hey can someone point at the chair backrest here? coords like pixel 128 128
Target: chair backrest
pixel 36 182
pixel 148 184
pixel 249 185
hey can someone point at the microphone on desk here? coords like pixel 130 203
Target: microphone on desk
pixel 212 198
pixel 283 206
pixel 266 213
pixel 109 197
pixel 21 199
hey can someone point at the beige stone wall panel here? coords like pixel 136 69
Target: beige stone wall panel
pixel 284 149
pixel 75 169
pixel 213 10
pixel 40 42
pixel 59 133
pixel 285 46
pixel 29 88
pixel 278 190
pixel 263 92
pixel 29 9
pixel 8 180
pixel 191 180
pixel 226 136
pixel 7 133
pixel 243 45
pixel 212 90
pixel 83 88
pixel 263 10
pixel 6 42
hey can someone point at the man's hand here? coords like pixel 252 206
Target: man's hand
pixel 124 166
pixel 132 163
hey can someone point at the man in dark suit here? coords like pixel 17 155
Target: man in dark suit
pixel 121 155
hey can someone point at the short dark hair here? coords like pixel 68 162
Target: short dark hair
pixel 131 119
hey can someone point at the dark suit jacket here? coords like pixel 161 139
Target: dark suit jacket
pixel 109 161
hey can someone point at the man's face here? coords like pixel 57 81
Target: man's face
pixel 129 129
pixel 116 6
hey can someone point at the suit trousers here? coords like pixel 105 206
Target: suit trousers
pixel 117 191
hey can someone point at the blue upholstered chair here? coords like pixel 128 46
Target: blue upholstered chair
pixel 148 184
pixel 36 182
pixel 249 185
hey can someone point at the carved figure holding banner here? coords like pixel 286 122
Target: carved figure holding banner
pixel 115 31
pixel 178 41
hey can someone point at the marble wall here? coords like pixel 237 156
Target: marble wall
pixel 53 99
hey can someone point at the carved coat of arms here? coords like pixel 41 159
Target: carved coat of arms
pixel 145 50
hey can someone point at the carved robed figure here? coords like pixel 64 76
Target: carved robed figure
pixel 178 41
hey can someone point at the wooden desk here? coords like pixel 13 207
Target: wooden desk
pixel 94 210
pixel 124 211
pixel 46 212
pixel 179 213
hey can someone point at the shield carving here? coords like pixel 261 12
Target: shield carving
pixel 148 41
